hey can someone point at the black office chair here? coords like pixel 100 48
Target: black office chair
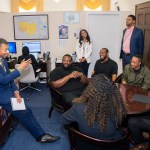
pixel 119 78
pixel 80 141
pixel 57 100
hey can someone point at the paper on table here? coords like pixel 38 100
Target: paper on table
pixel 17 106
pixel 141 98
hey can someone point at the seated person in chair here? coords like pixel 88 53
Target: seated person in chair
pixel 68 79
pixel 26 55
pixel 137 125
pixel 95 111
pixel 105 65
pixel 136 73
pixel 9 89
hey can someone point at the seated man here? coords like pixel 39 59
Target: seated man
pixel 68 79
pixel 137 125
pixel 136 73
pixel 26 55
pixel 105 65
pixel 9 89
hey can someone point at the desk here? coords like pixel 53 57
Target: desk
pixel 133 107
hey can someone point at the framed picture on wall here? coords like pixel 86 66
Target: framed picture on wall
pixel 71 17
pixel 63 32
pixel 31 27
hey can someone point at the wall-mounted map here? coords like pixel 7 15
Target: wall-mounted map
pixel 31 27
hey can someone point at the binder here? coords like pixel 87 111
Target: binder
pixel 17 106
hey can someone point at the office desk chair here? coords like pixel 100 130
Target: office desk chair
pixel 28 77
pixel 80 141
pixel 57 100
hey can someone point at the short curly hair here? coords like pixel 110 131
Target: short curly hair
pixel 103 102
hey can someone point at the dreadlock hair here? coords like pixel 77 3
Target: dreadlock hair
pixel 104 102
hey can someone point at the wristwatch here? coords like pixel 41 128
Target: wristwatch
pixel 19 69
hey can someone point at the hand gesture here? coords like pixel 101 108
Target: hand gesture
pixel 24 64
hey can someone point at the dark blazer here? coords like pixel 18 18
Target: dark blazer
pixel 76 115
pixel 136 42
pixel 7 85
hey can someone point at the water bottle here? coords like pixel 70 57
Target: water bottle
pixel 74 56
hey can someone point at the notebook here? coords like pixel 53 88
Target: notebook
pixel 17 106
pixel 141 98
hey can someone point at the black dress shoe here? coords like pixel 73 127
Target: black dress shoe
pixel 47 138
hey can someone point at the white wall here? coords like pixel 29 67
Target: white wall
pixel 54 45
pixel 70 5
pixel 63 5
pixel 126 5
pixel 5 6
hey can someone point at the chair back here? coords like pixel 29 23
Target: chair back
pixel 80 141
pixel 119 78
pixel 57 99
pixel 27 75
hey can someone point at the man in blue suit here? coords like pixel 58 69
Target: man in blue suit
pixel 9 89
pixel 132 41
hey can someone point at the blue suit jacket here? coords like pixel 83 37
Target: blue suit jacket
pixel 7 85
pixel 136 42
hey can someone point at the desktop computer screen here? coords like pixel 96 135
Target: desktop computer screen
pixel 12 47
pixel 34 47
pixel 35 55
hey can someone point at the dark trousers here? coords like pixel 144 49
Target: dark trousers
pixel 27 118
pixel 126 58
pixel 69 96
pixel 84 66
pixel 137 125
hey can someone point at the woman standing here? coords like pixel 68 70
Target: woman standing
pixel 84 51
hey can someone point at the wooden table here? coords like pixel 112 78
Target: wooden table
pixel 133 107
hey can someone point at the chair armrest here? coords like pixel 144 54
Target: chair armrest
pixel 38 70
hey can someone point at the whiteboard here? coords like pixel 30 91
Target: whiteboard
pixel 105 31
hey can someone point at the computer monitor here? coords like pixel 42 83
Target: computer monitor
pixel 12 47
pixel 35 55
pixel 34 47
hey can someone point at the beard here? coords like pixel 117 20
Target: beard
pixel 67 67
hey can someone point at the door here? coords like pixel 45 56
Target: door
pixel 142 12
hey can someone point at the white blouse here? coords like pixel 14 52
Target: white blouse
pixel 84 50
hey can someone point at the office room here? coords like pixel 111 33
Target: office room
pixel 40 25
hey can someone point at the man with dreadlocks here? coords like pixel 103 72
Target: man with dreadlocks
pixel 99 110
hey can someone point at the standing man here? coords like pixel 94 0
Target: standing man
pixel 105 65
pixel 132 41
pixel 9 89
